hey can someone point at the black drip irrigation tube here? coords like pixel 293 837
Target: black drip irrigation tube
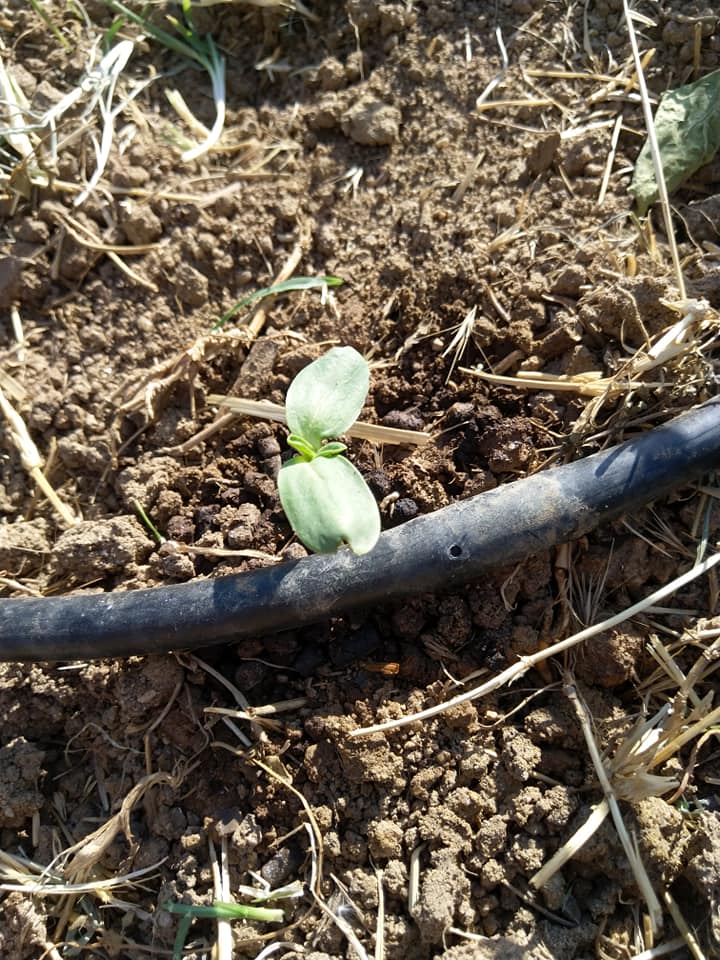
pixel 449 547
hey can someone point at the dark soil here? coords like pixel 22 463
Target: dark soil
pixel 362 143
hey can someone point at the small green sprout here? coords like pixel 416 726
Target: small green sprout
pixel 324 496
pixel 188 43
pixel 219 910
pixel 295 283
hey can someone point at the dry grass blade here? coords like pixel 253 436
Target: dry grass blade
pixel 222 894
pixel 156 386
pixel 629 846
pixel 380 923
pixel 84 236
pixel 655 149
pixel 568 850
pixel 687 935
pixel 35 881
pixel 628 773
pixel 610 159
pixel 265 410
pixel 460 339
pixel 32 461
pixel 526 102
pixel 500 76
pixel 668 349
pixel 13 388
pixel 88 851
pixel 274 769
pixel 516 670
pixel 341 923
pixel 17 105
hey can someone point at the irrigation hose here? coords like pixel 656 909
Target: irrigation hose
pixel 440 550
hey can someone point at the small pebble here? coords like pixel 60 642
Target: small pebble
pixel 180 528
pixel 204 518
pixel 379 482
pixel 403 420
pixel 267 447
pixel 404 510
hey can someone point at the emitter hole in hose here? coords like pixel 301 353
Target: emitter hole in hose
pixel 455 551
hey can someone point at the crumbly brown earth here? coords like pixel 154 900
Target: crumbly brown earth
pixel 353 133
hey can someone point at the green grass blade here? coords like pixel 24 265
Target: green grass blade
pixel 162 36
pixel 181 936
pixel 50 25
pixel 226 911
pixel 296 283
pixel 112 32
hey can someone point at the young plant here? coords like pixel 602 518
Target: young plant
pixel 324 497
pixel 294 283
pixel 188 43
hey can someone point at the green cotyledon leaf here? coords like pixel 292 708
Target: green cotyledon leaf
pixel 328 503
pixel 687 124
pixel 326 397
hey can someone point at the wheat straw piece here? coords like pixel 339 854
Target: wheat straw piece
pixel 265 410
pixel 32 461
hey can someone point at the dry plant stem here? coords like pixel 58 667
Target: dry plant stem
pixel 688 734
pixel 12 387
pixel 631 852
pixel 685 780
pixel 680 922
pixel 655 150
pixel 86 238
pixel 315 834
pixel 32 461
pixel 92 848
pixel 610 159
pixel 502 104
pixel 414 877
pixel 568 850
pixel 17 104
pixel 135 277
pixel 222 552
pixel 284 274
pixel 373 432
pixel 201 199
pixel 342 925
pixel 499 77
pixel 18 333
pixel 464 184
pixel 537 906
pixel 221 893
pixel 239 697
pixel 380 922
pixel 516 670
pixel 662 950
pixel 590 384
pixel 250 332
pixel 38 885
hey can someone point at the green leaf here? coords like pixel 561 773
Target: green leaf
pixel 328 503
pixel 326 397
pixel 687 124
pixel 295 283
pixel 226 911
pixel 305 449
pixel 331 449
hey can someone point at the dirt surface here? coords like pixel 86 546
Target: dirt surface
pixel 354 147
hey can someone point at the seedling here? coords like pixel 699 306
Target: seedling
pixel 324 496
pixel 218 910
pixel 295 283
pixel 188 43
